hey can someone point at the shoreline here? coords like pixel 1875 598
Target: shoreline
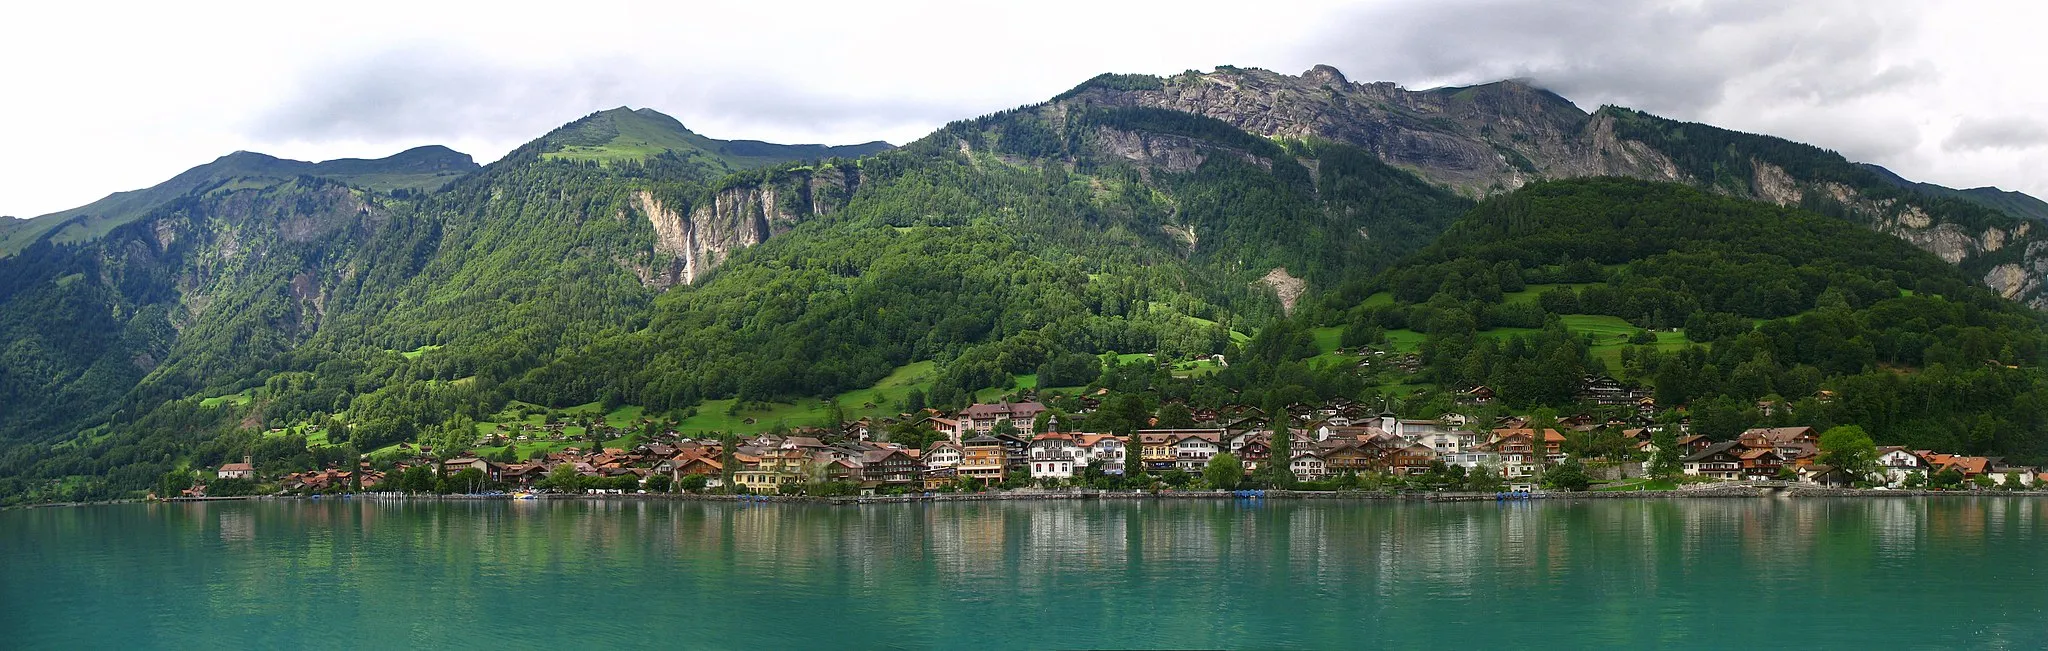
pixel 1707 492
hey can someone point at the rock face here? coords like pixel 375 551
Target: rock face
pixel 691 240
pixel 1286 286
pixel 2023 281
pixel 1494 138
pixel 1479 140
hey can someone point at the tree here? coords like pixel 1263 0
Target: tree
pixel 1122 414
pixel 1569 475
pixel 1949 478
pixel 1174 415
pixel 1223 472
pixel 1664 462
pixel 1279 467
pixel 1849 449
pixel 468 480
pixel 727 445
pixel 836 415
pixel 916 435
pixel 1485 479
pixel 692 483
pixel 1720 418
pixel 563 478
pixel 175 482
pixel 659 483
pixel 418 479
pixel 1915 479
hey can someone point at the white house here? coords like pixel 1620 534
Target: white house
pixel 1898 462
pixel 1193 451
pixel 1308 465
pixel 243 470
pixel 1471 458
pixel 1052 468
pixel 1103 450
pixel 943 454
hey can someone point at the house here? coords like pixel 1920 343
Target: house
pixel 1340 458
pixel 942 454
pixel 1155 451
pixel 1473 458
pixel 1052 467
pixel 937 478
pixel 1185 449
pixel 1606 391
pixel 1722 461
pixel 1479 395
pixel 244 470
pixel 1760 463
pixel 2000 473
pixel 1409 460
pixel 684 465
pixel 1971 467
pixel 1897 463
pixel 983 458
pixel 1308 465
pixel 491 470
pixel 947 426
pixel 1254 454
pixel 775 469
pixel 1798 445
pixel 983 418
pixel 1104 450
pixel 1053 445
pixel 1192 449
pixel 520 474
pixel 1517 450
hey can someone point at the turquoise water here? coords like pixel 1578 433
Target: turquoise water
pixel 1820 573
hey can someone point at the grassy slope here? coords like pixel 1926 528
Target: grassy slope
pixel 1610 335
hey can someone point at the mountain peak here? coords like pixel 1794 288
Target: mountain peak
pixel 1325 74
pixel 624 134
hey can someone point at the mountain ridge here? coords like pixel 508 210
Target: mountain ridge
pixel 1492 138
pixel 416 169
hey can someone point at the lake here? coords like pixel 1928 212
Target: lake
pixel 1956 572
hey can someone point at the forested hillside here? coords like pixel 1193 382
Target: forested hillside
pixel 989 249
pixel 1749 314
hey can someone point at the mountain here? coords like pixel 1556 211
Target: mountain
pixel 610 261
pixel 624 264
pixel 413 170
pixel 1494 138
pixel 2017 204
pixel 626 134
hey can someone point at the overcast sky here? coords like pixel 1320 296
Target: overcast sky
pixel 107 96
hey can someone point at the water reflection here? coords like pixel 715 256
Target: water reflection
pixel 1180 573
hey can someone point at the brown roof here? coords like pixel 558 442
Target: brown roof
pixel 1549 435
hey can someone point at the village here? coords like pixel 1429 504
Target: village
pixel 1343 445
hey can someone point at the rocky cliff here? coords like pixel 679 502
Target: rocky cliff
pixel 694 235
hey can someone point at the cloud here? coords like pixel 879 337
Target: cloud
pixel 1753 60
pixel 436 93
pixel 2008 132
